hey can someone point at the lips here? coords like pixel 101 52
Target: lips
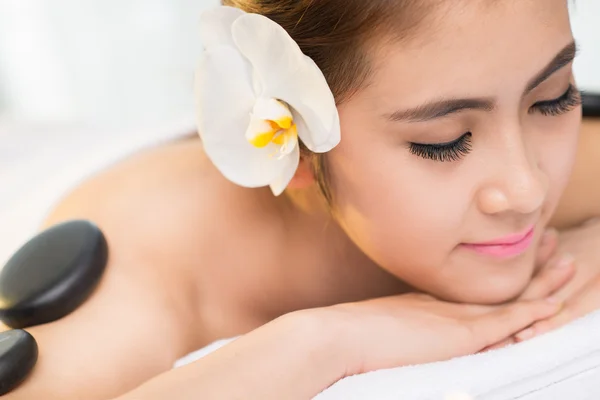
pixel 505 247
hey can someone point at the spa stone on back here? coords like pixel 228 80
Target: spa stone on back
pixel 52 274
pixel 18 355
pixel 47 279
pixel 591 105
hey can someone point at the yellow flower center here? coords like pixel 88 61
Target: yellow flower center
pixel 272 122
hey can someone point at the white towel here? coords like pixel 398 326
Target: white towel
pixel 561 365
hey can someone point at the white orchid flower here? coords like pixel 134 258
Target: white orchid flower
pixel 256 94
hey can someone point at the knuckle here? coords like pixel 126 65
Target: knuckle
pixel 519 313
pixel 471 333
pixel 536 284
pixel 566 314
pixel 464 326
pixel 470 328
pixel 478 330
pixel 543 326
pixel 550 277
pixel 533 290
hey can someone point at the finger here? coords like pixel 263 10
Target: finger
pixel 542 327
pixel 504 322
pixel 591 221
pixel 501 345
pixel 547 246
pixel 585 302
pixel 551 278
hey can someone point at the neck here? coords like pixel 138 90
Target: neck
pixel 324 267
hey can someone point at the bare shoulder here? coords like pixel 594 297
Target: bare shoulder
pixel 166 213
pixel 141 200
pixel 153 192
pixel 173 216
pixel 581 199
pixel 134 189
pixel 134 204
pixel 152 206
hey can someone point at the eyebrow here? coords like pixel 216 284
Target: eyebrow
pixel 443 108
pixel 562 59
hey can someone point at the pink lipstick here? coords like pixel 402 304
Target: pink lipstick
pixel 505 247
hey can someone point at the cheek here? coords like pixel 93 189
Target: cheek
pixel 399 212
pixel 557 145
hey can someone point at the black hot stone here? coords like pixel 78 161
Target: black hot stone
pixel 18 355
pixel 591 104
pixel 52 274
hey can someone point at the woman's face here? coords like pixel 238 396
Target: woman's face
pixel 453 159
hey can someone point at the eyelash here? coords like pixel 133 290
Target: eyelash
pixel 444 152
pixel 456 149
pixel 565 103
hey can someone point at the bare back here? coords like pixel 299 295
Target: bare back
pixel 155 303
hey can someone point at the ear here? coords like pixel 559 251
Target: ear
pixel 303 177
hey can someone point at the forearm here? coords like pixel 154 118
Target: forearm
pixel 288 358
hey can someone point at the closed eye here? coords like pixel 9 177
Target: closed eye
pixel 562 105
pixel 444 152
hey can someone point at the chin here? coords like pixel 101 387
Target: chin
pixel 492 294
pixel 487 287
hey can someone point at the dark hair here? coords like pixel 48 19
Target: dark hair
pixel 336 35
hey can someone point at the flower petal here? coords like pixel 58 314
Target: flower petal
pixel 215 25
pixel 304 132
pixel 287 74
pixel 225 100
pixel 260 132
pixel 287 139
pixel 291 161
pixel 273 110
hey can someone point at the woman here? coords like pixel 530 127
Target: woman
pixel 459 125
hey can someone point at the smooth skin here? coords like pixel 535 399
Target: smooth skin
pixel 139 318
pixel 138 321
pixel 195 258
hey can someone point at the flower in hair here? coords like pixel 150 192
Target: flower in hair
pixel 257 95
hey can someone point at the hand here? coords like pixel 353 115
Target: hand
pixel 417 328
pixel 554 271
pixel 582 243
pixel 582 294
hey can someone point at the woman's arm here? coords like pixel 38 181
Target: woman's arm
pixel 293 357
pixel 301 354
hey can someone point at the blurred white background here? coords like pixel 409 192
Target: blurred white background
pixel 132 61
pixel 104 61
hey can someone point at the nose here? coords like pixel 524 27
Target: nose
pixel 516 183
